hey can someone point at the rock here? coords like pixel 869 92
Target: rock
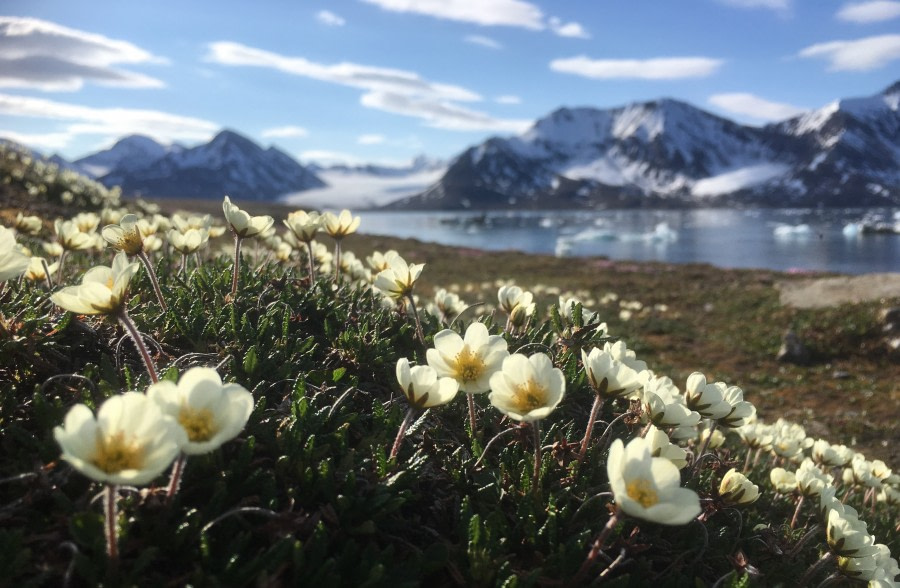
pixel 890 319
pixel 793 350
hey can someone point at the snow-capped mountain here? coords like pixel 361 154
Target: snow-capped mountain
pixel 127 154
pixel 669 153
pixel 229 164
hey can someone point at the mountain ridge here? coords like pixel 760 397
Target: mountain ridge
pixel 669 153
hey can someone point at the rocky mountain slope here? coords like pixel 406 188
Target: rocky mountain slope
pixel 670 153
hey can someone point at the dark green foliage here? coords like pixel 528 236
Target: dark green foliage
pixel 307 495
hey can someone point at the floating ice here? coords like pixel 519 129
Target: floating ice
pixel 800 231
pixel 852 230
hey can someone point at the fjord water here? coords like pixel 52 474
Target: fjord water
pixel 825 240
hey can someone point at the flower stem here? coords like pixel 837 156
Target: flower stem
pixel 47 274
pixel 797 511
pixel 595 410
pixel 135 335
pixel 111 512
pixel 597 546
pixel 703 447
pixel 59 268
pixel 237 265
pixel 401 433
pixel 815 568
pixel 536 480
pixel 415 313
pixel 312 265
pixel 175 480
pixel 471 399
pixel 142 255
pixel 337 261
pixel 747 459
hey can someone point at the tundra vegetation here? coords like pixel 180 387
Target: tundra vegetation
pixel 235 399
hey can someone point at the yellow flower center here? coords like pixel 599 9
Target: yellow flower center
pixel 469 366
pixel 642 491
pixel 529 396
pixel 114 453
pixel 199 424
pixel 131 242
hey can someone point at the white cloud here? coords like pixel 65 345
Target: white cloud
pixel 754 106
pixel 483 41
pixel 513 13
pixel 109 122
pixel 329 18
pixel 865 12
pixel 571 29
pixel 370 139
pixel 778 5
pixel 508 99
pixel 859 55
pixel 440 114
pixel 662 68
pixel 391 90
pixel 46 56
pixel 38 140
pixel 289 131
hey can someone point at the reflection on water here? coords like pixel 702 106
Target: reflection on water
pixel 781 239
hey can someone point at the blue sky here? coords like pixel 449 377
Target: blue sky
pixel 385 80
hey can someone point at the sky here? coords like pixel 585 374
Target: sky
pixel 383 81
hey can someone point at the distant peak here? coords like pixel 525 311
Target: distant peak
pixel 229 137
pixel 892 89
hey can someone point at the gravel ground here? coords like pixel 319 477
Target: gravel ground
pixel 825 292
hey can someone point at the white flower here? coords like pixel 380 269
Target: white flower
pixel 620 352
pixel 783 480
pixel 189 241
pixel 511 297
pixel 847 535
pixel 648 487
pixel 70 237
pixel 567 311
pixel 87 222
pixel 242 224
pixel 422 386
pixel 340 225
pixel 379 261
pixel 29 225
pixel 470 360
pixel 859 568
pixel 756 435
pixel 209 411
pixel 304 225
pixel 736 489
pixel 130 442
pixel 448 304
pixel 185 223
pixel 102 289
pixel 861 473
pixel 609 377
pixel 705 398
pixel 35 271
pixel 660 446
pixel 829 456
pixel 741 410
pixel 125 236
pixel 13 263
pixel 810 479
pixel 527 388
pixel 397 281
